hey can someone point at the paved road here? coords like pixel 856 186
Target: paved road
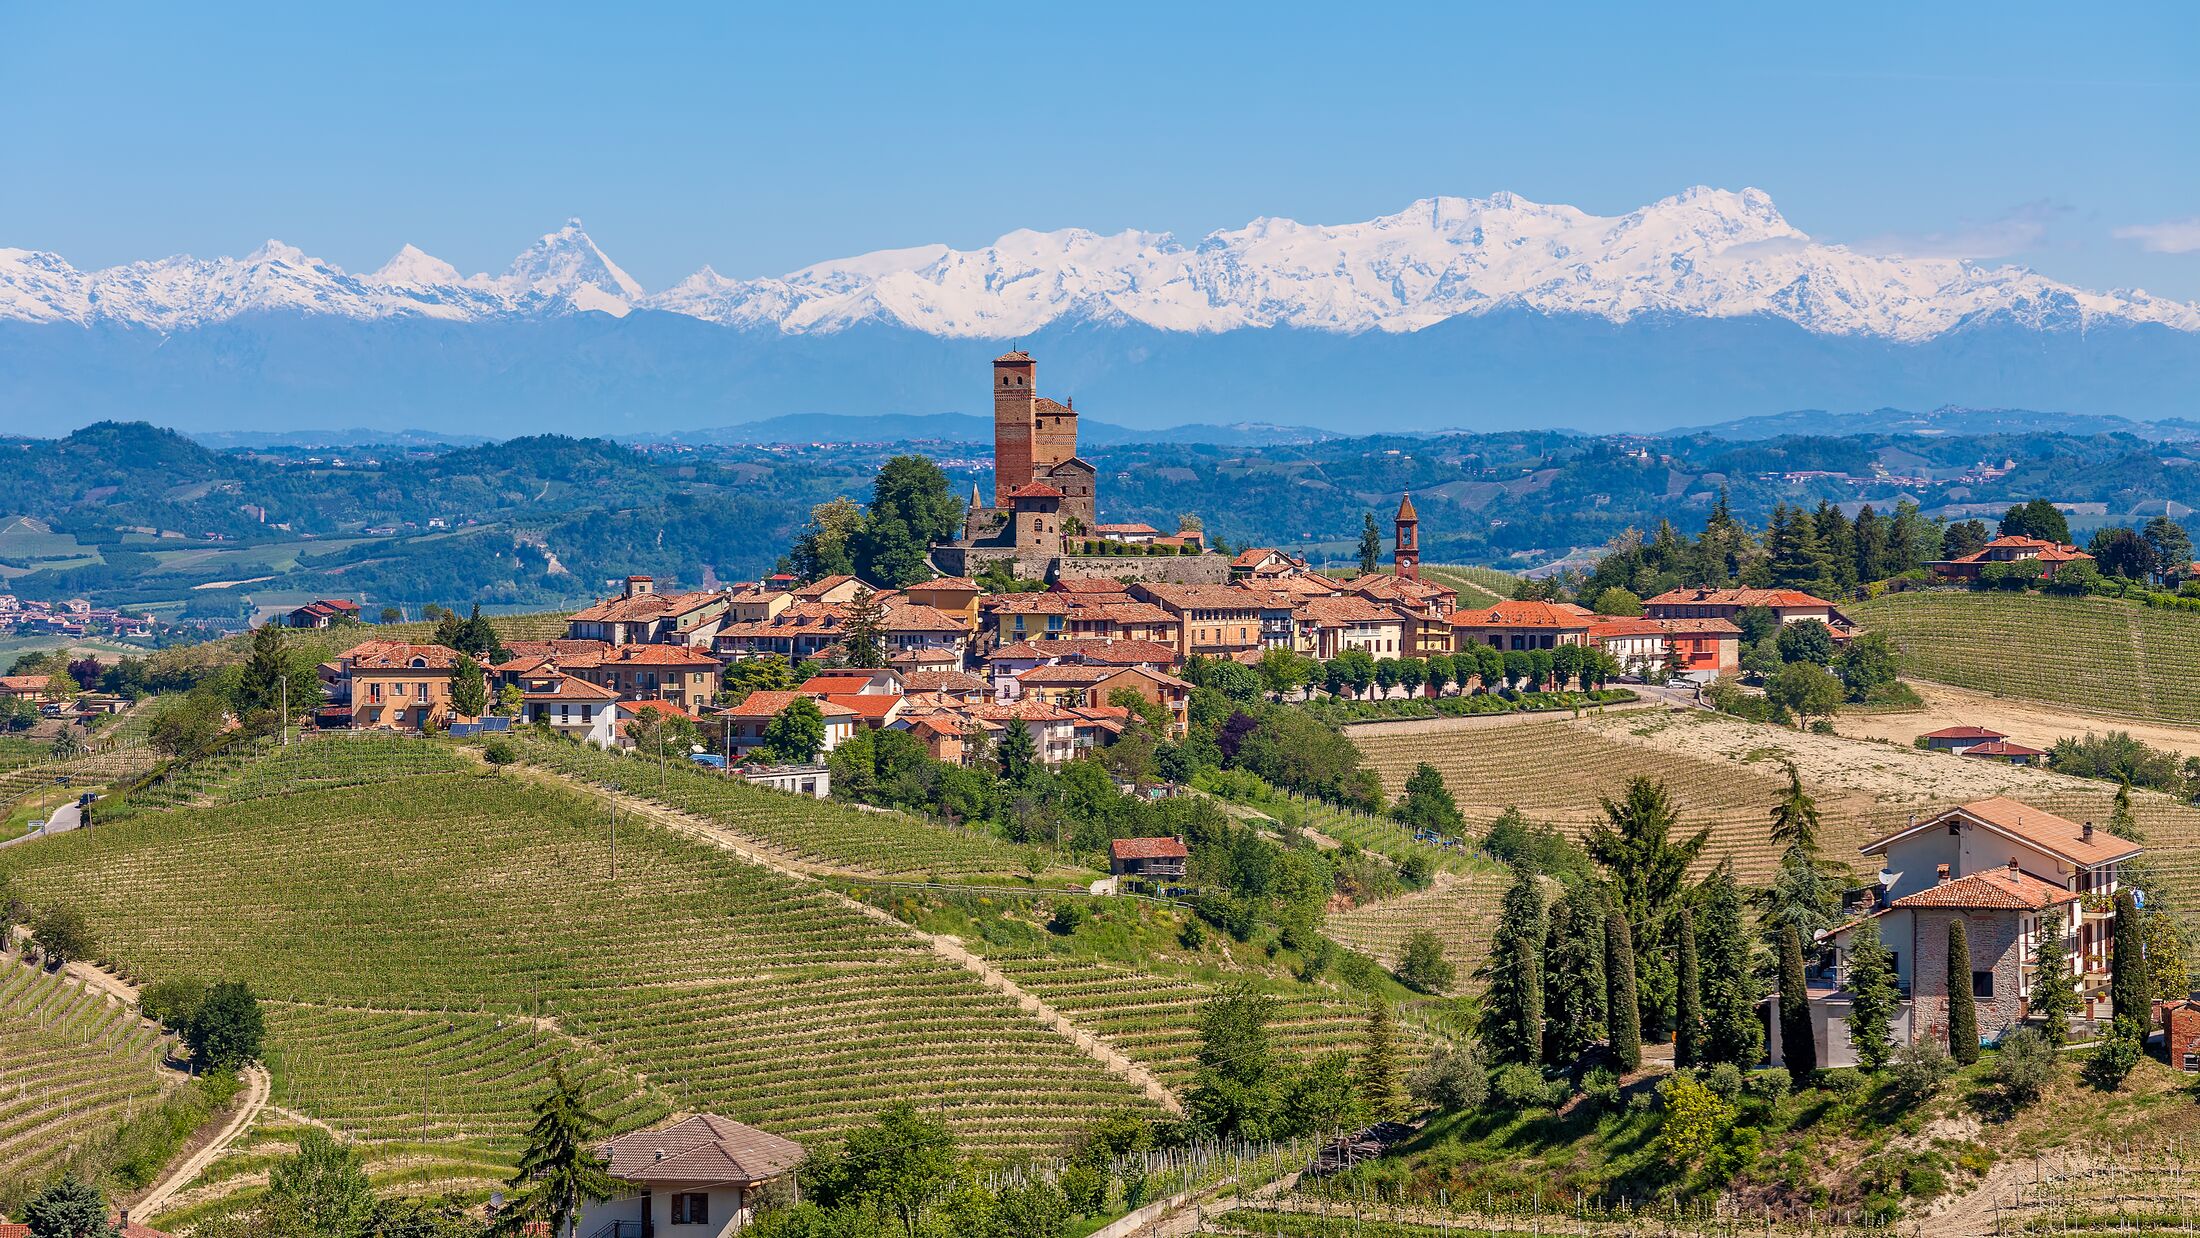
pixel 65 818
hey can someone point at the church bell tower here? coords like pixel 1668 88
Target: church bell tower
pixel 1406 558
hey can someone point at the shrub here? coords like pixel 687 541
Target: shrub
pixel 499 752
pixel 2111 1063
pixel 1919 1069
pixel 1694 1116
pixel 1600 1087
pixel 1768 1085
pixel 2024 1067
pixel 1068 918
pixel 1453 1079
pixel 172 1002
pixel 1723 1080
pixel 1522 1087
pixel 1424 967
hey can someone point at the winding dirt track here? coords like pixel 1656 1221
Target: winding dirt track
pixel 256 1084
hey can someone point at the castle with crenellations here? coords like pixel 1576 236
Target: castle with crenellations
pixel 1044 518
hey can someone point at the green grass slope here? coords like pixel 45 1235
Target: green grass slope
pixel 420 940
pixel 2102 654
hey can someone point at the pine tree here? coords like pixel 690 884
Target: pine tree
pixel 1511 1023
pixel 2054 992
pixel 1688 1033
pixel 1873 990
pixel 1871 545
pixel 469 690
pixel 2130 993
pixel 1634 843
pixel 560 1170
pixel 2122 822
pixel 1382 1083
pixel 1575 996
pixel 1798 1040
pixel 1839 540
pixel 1623 1012
pixel 1795 817
pixel 1371 543
pixel 1017 751
pixel 1962 1005
pixel 863 630
pixel 69 1208
pixel 1731 1031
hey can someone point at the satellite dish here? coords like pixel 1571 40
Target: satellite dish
pixel 1888 879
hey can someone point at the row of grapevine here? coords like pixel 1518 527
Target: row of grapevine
pixel 727 986
pixel 73 1066
pixel 887 844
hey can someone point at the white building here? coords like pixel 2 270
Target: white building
pixel 699 1178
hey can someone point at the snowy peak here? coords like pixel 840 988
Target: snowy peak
pixel 1703 252
pixel 567 265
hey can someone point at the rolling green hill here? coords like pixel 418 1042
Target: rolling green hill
pixel 2101 654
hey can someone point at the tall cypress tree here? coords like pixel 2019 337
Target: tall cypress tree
pixel 1623 1010
pixel 1731 1031
pixel 1382 1084
pixel 1511 1023
pixel 1575 996
pixel 1962 1006
pixel 1688 1018
pixel 2129 990
pixel 1798 1040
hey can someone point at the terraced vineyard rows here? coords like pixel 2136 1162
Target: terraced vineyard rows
pixel 73 1066
pixel 1460 910
pixel 1155 1019
pixel 1555 771
pixel 2100 654
pixel 723 985
pixel 1477 586
pixel 882 843
pixel 88 770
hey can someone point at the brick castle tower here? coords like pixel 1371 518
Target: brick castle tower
pixel 1406 559
pixel 1015 423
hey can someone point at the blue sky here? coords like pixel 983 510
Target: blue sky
pixel 759 139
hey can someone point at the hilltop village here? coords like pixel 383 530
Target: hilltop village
pixel 1110 867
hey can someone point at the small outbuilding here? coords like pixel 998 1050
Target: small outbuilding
pixel 697 1178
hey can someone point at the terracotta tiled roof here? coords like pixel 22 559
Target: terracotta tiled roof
pixel 1027 604
pixel 1521 615
pixel 2058 836
pixel 637 655
pixel 825 682
pixel 872 705
pixel 1335 612
pixel 1405 508
pixel 1034 490
pixel 557 687
pixel 824 585
pixel 2002 748
pixel 2000 889
pixel 656 707
pixel 910 617
pixel 1202 597
pixel 702 1149
pixel 1251 556
pixel 1017 355
pixel 1088 585
pixel 1105 652
pixel 16 1229
pixel 555 648
pixel 1066 675
pixel 946 582
pixel 1964 732
pixel 769 704
pixel 1148 849
pixel 1779 599
pixel 943 681
pixel 397 655
pixel 1131 529
pixel 1126 612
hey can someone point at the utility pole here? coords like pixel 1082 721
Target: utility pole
pixel 284 721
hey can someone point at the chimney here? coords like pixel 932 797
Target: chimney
pixel 2087 833
pixel 1940 875
pixel 2012 866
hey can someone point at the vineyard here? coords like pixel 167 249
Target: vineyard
pixel 1460 910
pixel 2099 654
pixel 886 844
pixel 85 771
pixel 260 767
pixel 1477 586
pixel 1556 772
pixel 470 900
pixel 323 644
pixel 1154 1018
pixel 73 1066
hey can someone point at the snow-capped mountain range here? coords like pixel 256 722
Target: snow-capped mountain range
pixel 1705 253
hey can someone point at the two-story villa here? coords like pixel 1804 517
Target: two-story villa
pixel 2033 890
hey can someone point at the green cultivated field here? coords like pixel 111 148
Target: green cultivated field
pixel 1477 586
pixel 2098 653
pixel 428 942
pixel 73 1066
pixel 885 844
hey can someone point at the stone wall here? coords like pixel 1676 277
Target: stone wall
pixel 1992 938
